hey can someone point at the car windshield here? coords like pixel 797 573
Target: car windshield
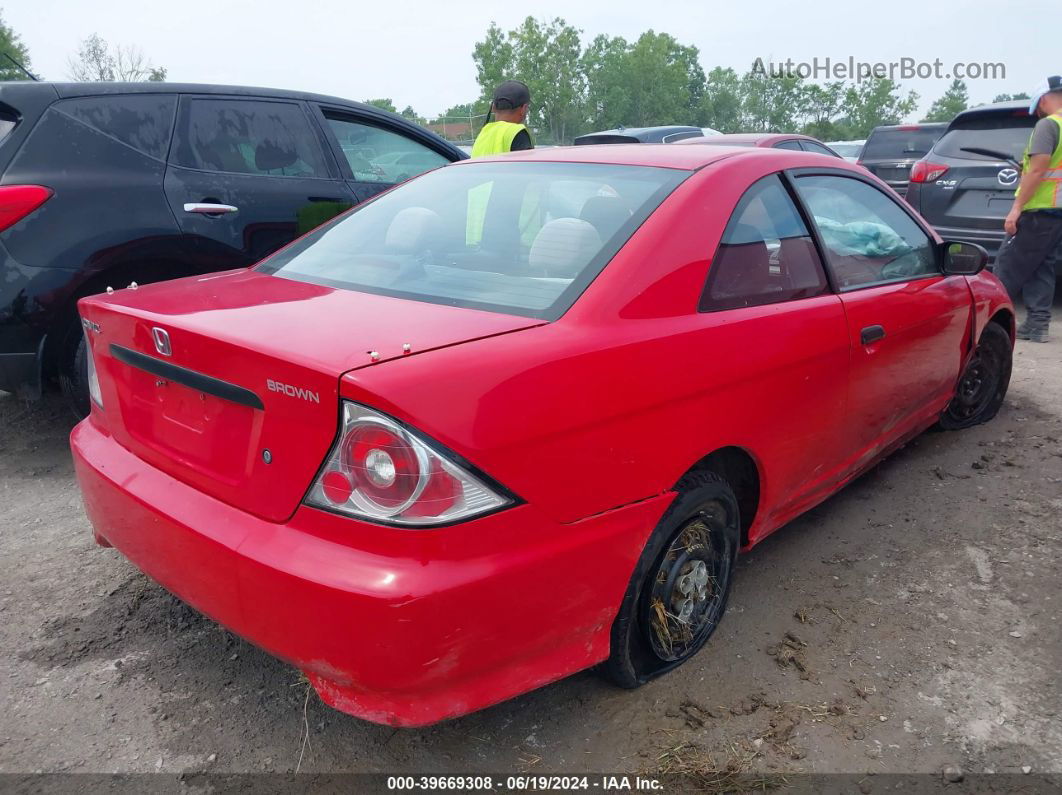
pixel 900 144
pixel 523 238
pixel 1005 134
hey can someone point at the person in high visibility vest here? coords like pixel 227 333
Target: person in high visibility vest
pixel 507 133
pixel 1033 249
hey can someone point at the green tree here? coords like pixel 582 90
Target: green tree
pixel 721 103
pixel 655 80
pixel 874 102
pixel 820 105
pixel 545 55
pixel 493 58
pixel 382 104
pixel 771 103
pixel 666 81
pixel 96 60
pixel 1010 97
pixel 11 45
pixel 608 98
pixel 953 101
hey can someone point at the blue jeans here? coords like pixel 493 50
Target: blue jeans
pixel 1027 261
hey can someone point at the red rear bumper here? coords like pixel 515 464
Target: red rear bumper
pixel 405 627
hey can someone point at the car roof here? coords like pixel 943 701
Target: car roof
pixel 747 138
pixel 688 158
pixel 1011 108
pixel 636 132
pixel 921 125
pixel 65 90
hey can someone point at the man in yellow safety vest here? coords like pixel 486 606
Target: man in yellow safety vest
pixel 507 133
pixel 1033 249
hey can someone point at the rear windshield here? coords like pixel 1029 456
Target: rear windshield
pixel 1006 134
pixel 900 144
pixel 522 238
pixel 587 140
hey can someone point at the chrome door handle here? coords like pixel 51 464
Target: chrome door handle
pixel 209 208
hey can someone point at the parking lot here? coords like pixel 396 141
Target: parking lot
pixel 907 624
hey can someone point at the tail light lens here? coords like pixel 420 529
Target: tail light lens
pixel 924 171
pixel 380 471
pixel 18 201
pixel 93 379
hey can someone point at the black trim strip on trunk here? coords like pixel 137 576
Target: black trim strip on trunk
pixel 189 378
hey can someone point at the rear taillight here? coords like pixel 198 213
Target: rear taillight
pixel 18 201
pixel 93 378
pixel 380 471
pixel 924 171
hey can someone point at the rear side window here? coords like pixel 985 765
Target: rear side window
pixel 900 144
pixel 868 238
pixel 248 137
pixel 7 123
pixel 378 155
pixel 766 255
pixel 142 121
pixel 1007 134
pixel 817 148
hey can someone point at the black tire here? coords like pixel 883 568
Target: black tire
pixel 699 533
pixel 983 384
pixel 73 376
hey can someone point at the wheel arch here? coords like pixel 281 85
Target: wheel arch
pixel 96 279
pixel 1005 318
pixel 741 471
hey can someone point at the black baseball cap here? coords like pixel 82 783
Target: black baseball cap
pixel 511 94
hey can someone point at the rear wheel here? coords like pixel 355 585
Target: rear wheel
pixel 983 384
pixel 73 372
pixel 679 590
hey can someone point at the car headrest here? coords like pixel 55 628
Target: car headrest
pixel 563 247
pixel 413 229
pixel 606 213
pixel 270 157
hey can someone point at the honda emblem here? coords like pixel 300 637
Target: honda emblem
pixel 162 341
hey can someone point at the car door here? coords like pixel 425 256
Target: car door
pixel 247 175
pixel 778 341
pixel 374 155
pixel 908 323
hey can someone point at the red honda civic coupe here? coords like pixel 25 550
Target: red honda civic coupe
pixel 517 417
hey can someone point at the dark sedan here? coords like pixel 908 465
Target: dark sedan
pixel 667 134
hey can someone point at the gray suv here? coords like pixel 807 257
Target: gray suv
pixel 892 150
pixel 965 185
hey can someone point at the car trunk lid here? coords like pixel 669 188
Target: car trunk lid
pixel 230 382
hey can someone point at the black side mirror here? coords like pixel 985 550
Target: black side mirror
pixel 964 259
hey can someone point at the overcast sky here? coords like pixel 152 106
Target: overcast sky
pixel 419 52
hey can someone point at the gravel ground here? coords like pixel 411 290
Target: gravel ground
pixel 908 624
